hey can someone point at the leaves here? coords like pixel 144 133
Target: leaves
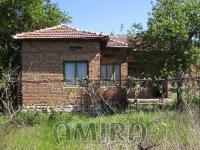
pixel 173 31
pixel 20 16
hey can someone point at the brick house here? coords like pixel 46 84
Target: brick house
pixel 55 60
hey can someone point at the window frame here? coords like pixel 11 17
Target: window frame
pixel 113 80
pixel 76 70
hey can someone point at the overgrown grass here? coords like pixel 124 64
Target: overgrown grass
pixel 165 130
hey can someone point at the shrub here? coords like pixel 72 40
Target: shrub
pixel 53 115
pixel 27 118
pixel 58 116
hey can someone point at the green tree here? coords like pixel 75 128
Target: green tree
pixel 173 36
pixel 18 16
pixel 174 28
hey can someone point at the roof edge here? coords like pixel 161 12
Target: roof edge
pixel 17 36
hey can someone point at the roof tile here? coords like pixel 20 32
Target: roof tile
pixel 118 41
pixel 59 32
pixel 64 32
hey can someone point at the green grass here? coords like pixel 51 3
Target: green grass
pixel 163 127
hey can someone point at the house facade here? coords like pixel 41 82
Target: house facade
pixel 57 62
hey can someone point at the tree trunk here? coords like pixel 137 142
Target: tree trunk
pixel 180 102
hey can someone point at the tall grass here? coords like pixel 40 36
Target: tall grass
pixel 165 130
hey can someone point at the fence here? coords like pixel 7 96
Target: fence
pixel 135 88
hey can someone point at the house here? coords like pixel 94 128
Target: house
pixel 56 61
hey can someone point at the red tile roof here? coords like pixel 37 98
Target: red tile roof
pixel 59 32
pixel 118 41
pixel 65 32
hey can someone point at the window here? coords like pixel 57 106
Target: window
pixel 75 73
pixel 110 74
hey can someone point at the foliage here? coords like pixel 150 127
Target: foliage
pixel 136 29
pixel 28 118
pixel 21 16
pixel 167 129
pixel 171 41
pixel 7 75
pixel 173 37
pixel 9 90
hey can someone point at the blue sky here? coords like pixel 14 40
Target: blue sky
pixel 105 15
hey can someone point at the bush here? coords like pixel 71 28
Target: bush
pixel 57 116
pixel 54 116
pixel 27 118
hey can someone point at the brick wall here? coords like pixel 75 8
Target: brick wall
pixel 116 55
pixel 42 72
pixel 42 69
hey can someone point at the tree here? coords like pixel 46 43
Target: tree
pixel 173 32
pixel 21 16
pixel 174 28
